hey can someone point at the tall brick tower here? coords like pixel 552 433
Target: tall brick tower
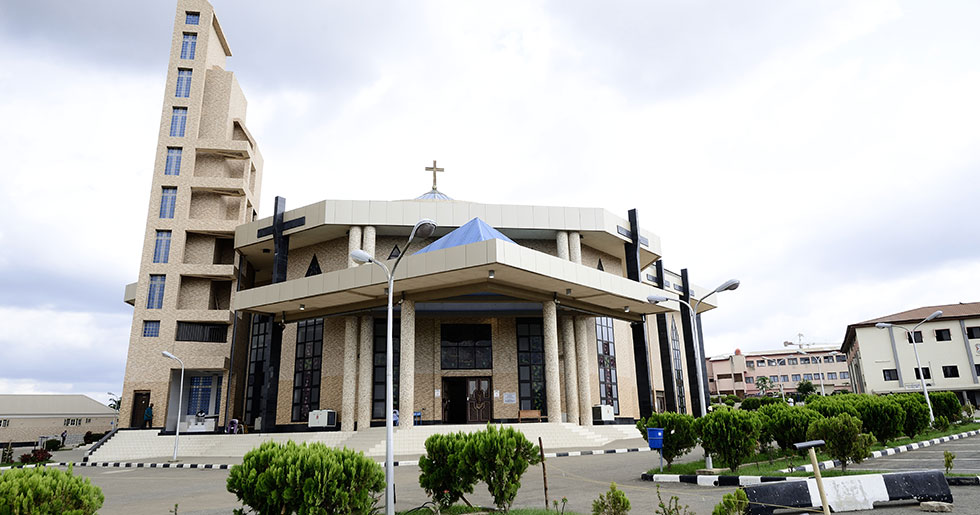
pixel 206 180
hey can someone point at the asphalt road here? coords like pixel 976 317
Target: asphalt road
pixel 580 479
pixel 967 459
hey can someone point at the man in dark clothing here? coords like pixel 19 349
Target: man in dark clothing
pixel 64 436
pixel 148 417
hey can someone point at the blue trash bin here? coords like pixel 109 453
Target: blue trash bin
pixel 655 437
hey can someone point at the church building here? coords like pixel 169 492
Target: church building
pixel 504 313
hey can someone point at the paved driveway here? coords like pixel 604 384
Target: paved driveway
pixel 967 459
pixel 580 479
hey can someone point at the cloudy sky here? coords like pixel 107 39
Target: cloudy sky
pixel 825 153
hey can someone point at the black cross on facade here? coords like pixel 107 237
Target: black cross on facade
pixel 280 241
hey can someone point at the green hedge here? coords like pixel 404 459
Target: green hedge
pixel 679 435
pixel 945 404
pixel 500 456
pixel 731 435
pixel 754 403
pixel 446 473
pixel 843 438
pixel 790 424
pixel 314 478
pixel 47 490
pixel 916 413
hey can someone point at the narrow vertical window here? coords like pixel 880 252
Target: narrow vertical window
pixel 178 122
pixel 530 365
pixel 168 202
pixel 154 299
pixel 161 250
pixel 380 365
pixel 606 350
pixel 151 328
pixel 183 83
pixel 193 18
pixel 173 161
pixel 306 374
pixel 675 346
pixel 200 396
pixel 188 47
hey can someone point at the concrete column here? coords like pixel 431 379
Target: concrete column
pixel 582 358
pixel 353 243
pixel 347 413
pixel 551 377
pixel 571 369
pixel 562 240
pixel 406 388
pixel 365 374
pixel 575 247
pixel 367 239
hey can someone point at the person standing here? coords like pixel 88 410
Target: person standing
pixel 148 417
pixel 64 436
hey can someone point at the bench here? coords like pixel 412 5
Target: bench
pixel 528 414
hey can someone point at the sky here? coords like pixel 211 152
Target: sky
pixel 824 153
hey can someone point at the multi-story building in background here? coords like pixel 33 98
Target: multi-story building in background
pixel 739 373
pixel 883 360
pixel 205 182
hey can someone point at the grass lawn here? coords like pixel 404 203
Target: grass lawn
pixel 758 465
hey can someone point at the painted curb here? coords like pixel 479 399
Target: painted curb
pixel 829 464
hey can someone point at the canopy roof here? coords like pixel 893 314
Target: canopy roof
pixel 471 232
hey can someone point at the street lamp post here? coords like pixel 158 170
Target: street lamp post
pixel 180 394
pixel 730 284
pixel 424 228
pixel 911 334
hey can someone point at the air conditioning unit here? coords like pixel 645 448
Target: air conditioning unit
pixel 603 412
pixel 323 418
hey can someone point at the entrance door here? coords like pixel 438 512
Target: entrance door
pixel 478 399
pixel 140 401
pixel 454 400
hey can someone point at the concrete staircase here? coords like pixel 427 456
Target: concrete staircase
pixel 408 441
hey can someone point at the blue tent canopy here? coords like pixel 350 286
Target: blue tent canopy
pixel 471 232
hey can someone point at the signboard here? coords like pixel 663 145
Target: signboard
pixel 496 394
pixel 510 397
pixel 438 393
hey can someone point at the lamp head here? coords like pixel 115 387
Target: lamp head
pixel 938 313
pixel 423 229
pixel 655 299
pixel 361 257
pixel 167 354
pixel 788 343
pixel 730 284
pixel 883 325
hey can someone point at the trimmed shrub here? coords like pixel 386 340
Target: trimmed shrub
pixel 314 478
pixel 968 411
pixel 832 406
pixel 730 435
pixel 843 438
pixel 52 445
pixel 945 404
pixel 446 473
pixel 35 456
pixel 916 413
pixel 941 423
pixel 754 403
pixel 613 502
pixel 735 503
pixel 91 437
pixel 500 456
pixel 679 435
pixel 47 490
pixel 790 424
pixel 881 416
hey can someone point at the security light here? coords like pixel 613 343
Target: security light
pixel 423 229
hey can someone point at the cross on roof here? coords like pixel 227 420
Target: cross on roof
pixel 434 169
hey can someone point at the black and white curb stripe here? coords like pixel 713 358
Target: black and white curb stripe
pixel 127 465
pixel 849 493
pixel 829 464
pixel 402 463
pixel 713 480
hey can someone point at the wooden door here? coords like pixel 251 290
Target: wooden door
pixel 140 401
pixel 478 400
